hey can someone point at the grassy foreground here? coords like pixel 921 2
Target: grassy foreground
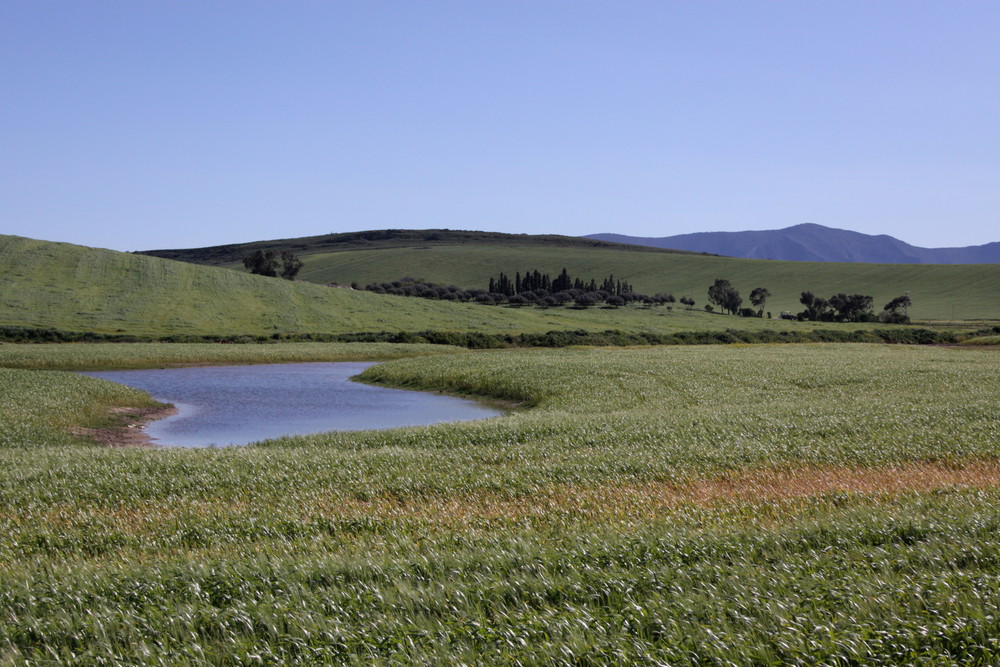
pixel 817 504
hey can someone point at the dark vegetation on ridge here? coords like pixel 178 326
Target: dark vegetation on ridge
pixel 383 238
pixel 535 288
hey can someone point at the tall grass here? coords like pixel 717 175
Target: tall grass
pixel 41 408
pixel 537 537
pixel 106 356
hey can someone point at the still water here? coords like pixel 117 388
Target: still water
pixel 236 405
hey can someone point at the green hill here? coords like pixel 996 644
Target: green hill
pixel 233 254
pixel 468 259
pixel 75 288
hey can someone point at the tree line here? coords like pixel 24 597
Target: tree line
pixel 533 281
pixel 540 289
pixel 533 288
pixel 728 298
pixel 840 307
pixel 853 308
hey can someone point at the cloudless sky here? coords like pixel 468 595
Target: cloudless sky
pixel 141 124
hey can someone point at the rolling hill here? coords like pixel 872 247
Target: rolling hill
pixel 233 254
pixel 813 243
pixel 75 288
pixel 939 292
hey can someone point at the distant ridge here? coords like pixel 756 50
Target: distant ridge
pixel 384 238
pixel 814 243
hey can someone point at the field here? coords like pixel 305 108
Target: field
pixel 935 290
pixel 72 288
pixel 939 292
pixel 811 504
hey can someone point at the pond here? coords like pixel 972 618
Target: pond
pixel 237 405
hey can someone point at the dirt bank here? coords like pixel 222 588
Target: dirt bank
pixel 128 429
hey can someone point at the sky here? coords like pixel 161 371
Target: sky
pixel 143 124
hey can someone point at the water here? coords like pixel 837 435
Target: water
pixel 236 405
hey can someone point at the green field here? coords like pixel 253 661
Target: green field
pixel 72 288
pixel 762 504
pixel 793 504
pixel 939 292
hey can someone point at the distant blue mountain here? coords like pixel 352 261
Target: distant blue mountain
pixel 814 243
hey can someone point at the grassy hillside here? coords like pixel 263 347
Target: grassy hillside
pixel 939 292
pixel 232 254
pixel 68 287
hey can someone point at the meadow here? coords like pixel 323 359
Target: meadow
pixel 74 356
pixel 940 292
pixel 70 288
pixel 767 504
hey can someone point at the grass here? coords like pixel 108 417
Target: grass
pixel 813 504
pixel 41 407
pixel 110 356
pixel 940 292
pixel 71 288
pixel 983 340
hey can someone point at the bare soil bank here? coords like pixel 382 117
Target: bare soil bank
pixel 128 429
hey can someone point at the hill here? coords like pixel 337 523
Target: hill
pixel 75 288
pixel 814 243
pixel 233 254
pixel 939 292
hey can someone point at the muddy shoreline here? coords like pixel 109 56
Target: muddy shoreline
pixel 128 429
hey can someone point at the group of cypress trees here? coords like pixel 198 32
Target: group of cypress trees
pixel 534 281
pixel 531 288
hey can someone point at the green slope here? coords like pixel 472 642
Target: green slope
pixel 939 292
pixel 74 288
pixel 971 289
pixel 232 254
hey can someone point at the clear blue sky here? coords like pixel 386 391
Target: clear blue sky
pixel 154 124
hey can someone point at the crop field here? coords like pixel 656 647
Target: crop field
pixel 785 504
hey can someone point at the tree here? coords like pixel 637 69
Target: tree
pixel 724 295
pixel 817 308
pixel 892 309
pixel 517 300
pixel 262 263
pixel 615 301
pixel 290 265
pixel 897 303
pixel 758 297
pixel 903 302
pixel 851 307
pixel 562 282
pixel 687 301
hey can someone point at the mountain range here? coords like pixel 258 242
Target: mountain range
pixel 814 243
